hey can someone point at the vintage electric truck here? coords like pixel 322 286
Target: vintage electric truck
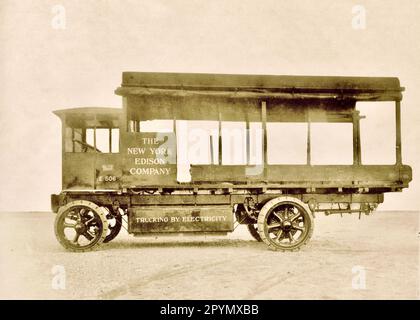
pixel 135 163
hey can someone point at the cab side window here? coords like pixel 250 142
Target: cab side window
pixel 84 140
pixel 74 139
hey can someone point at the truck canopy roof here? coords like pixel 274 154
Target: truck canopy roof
pixel 281 86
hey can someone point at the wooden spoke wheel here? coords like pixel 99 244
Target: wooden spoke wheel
pixel 253 230
pixel 114 223
pixel 80 226
pixel 285 223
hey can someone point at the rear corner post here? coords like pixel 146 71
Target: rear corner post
pixel 398 154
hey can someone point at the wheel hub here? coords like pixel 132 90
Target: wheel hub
pixel 287 225
pixel 80 228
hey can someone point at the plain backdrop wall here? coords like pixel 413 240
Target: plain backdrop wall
pixel 43 68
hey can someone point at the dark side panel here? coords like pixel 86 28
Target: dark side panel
pixel 306 175
pixel 167 219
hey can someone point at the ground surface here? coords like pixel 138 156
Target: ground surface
pixel 385 245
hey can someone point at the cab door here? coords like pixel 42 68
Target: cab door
pixel 107 164
pixel 91 144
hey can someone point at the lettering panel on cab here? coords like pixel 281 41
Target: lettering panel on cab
pixel 149 159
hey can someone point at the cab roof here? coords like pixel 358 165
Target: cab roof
pixel 100 117
pixel 87 111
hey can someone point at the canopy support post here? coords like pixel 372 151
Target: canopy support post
pixel 220 138
pixel 356 138
pixel 248 142
pixel 264 127
pixel 308 140
pixel 211 150
pixel 110 139
pixel 96 152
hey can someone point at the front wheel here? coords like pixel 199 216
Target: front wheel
pixel 285 223
pixel 80 226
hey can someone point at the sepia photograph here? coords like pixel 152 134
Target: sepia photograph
pixel 209 150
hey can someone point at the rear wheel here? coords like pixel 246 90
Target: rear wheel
pixel 253 230
pixel 80 226
pixel 285 223
pixel 114 223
